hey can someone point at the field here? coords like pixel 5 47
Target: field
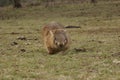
pixel 95 49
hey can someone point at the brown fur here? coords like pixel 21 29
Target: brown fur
pixel 55 38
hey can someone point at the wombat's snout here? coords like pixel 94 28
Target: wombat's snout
pixel 61 45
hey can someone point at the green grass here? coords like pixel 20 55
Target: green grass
pixel 99 35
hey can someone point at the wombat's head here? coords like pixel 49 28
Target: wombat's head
pixel 59 38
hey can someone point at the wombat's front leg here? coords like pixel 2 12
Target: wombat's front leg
pixel 50 50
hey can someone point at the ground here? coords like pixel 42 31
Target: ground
pixel 94 53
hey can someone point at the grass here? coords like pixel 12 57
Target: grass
pixel 26 59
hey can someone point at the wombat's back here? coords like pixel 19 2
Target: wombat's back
pixel 52 26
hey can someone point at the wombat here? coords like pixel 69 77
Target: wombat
pixel 55 37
